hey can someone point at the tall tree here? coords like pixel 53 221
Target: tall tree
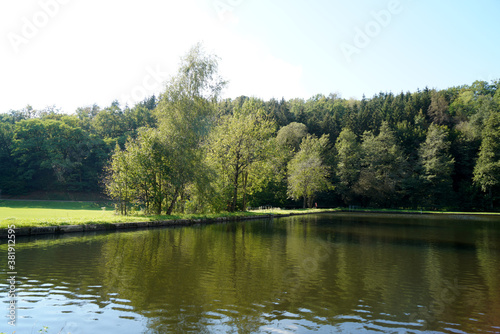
pixel 185 113
pixel 437 164
pixel 163 162
pixel 119 185
pixel 348 163
pixel 487 169
pixel 438 109
pixel 383 167
pixel 307 174
pixel 238 143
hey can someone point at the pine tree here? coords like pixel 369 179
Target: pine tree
pixel 437 165
pixel 487 169
pixel 383 168
pixel 348 163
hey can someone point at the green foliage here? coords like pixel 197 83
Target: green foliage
pixel 487 169
pixel 383 168
pixel 348 163
pixel 437 164
pixel 438 110
pixel 158 166
pixel 290 136
pixel 307 174
pixel 52 154
pixel 240 152
pixel 8 164
pixel 118 182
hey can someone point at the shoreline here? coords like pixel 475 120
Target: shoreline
pixel 63 229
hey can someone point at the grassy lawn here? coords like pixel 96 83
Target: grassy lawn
pixel 52 213
pixel 45 213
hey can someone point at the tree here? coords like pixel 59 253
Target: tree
pixel 51 154
pixel 487 169
pixel 348 163
pixel 278 111
pixel 438 110
pixel 185 114
pixel 236 144
pixel 118 180
pixel 156 168
pixel 383 168
pixel 8 166
pixel 437 164
pixel 307 175
pixel 140 173
pixel 109 122
pixel 272 188
pixel 291 135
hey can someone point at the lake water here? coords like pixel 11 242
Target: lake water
pixel 328 273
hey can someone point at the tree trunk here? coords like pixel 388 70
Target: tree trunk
pixel 491 198
pixel 245 178
pixel 235 193
pixel 236 175
pixel 183 201
pixel 159 197
pixel 305 197
pixel 146 199
pixel 174 200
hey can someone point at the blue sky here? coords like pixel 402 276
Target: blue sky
pixel 74 53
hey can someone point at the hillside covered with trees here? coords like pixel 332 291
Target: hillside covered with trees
pixel 189 150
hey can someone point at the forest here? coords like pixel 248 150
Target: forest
pixel 189 150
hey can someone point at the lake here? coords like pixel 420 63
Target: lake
pixel 325 273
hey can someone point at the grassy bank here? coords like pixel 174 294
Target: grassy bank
pixel 56 213
pixel 28 213
pixel 23 213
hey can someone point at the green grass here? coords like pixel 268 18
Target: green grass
pixel 47 213
pixel 53 213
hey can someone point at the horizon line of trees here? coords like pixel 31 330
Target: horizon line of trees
pixel 190 151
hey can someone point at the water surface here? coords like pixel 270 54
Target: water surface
pixel 328 273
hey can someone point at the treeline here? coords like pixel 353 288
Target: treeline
pixel 51 151
pixel 190 151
